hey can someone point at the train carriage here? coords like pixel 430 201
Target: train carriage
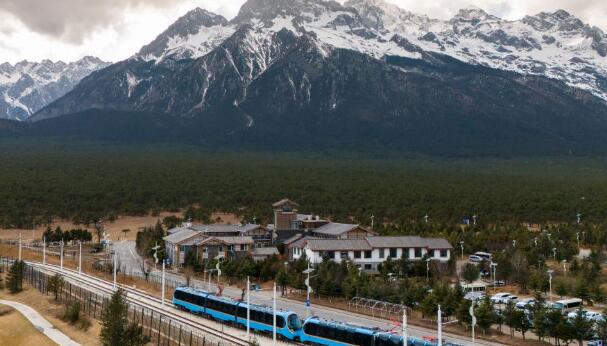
pixel 224 309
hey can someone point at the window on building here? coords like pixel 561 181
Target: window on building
pixel 230 247
pixel 356 254
pixel 418 252
pixel 392 253
pixel 368 267
pixel 220 249
pixel 444 253
pixel 344 255
pixel 381 253
pixel 368 254
pixel 182 248
pixel 244 247
pixel 405 253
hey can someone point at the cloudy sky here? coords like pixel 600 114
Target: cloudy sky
pixel 115 29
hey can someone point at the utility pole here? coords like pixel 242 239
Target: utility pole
pixel 274 316
pixel 405 332
pixel 80 259
pixel 440 327
pixel 19 246
pixel 61 255
pixel 248 308
pixel 115 265
pixel 163 268
pixel 44 250
pixel 471 311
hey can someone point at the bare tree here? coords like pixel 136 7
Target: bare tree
pixel 145 269
pixel 99 230
pixel 188 272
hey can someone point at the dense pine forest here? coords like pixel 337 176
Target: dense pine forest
pixel 87 181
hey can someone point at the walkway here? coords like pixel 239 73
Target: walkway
pixel 41 323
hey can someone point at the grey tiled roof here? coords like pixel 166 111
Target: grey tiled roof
pixel 409 241
pixel 225 228
pixel 265 251
pixel 334 228
pixel 180 236
pixel 338 244
pixel 370 243
pixel 227 240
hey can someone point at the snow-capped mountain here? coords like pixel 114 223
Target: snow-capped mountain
pixel 557 45
pixel 333 73
pixel 27 86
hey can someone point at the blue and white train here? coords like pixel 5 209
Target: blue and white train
pixel 200 302
pixel 314 330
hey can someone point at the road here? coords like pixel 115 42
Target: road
pixel 130 260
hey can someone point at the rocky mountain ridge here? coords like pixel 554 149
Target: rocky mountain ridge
pixel 27 86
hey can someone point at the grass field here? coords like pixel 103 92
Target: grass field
pixel 16 330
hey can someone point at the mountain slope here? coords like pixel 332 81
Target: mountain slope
pixel 27 87
pixel 316 73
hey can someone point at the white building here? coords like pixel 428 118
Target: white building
pixel 369 252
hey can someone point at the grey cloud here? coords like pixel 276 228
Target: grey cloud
pixel 73 20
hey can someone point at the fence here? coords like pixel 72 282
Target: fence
pixel 162 329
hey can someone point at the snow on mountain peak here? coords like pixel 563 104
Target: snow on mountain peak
pixel 28 86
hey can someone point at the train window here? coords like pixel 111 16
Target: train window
pixel 311 328
pixel 242 311
pixel 179 295
pixel 280 322
pixel 294 322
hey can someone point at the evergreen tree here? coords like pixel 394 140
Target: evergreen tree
pixel 55 284
pixel 470 272
pixel 582 327
pixel 14 280
pixel 115 329
pixel 484 315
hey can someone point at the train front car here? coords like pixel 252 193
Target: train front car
pixel 333 333
pixel 288 323
pixel 190 299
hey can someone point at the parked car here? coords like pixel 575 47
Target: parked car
pixel 485 273
pixel 255 287
pixel 475 296
pixel 589 315
pixel 510 298
pixel 475 259
pixel 499 297
pixel 526 304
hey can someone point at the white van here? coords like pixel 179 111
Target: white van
pixel 484 255
pixel 567 305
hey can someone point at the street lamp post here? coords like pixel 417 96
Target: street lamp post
pixel 440 327
pixel 308 289
pixel 80 258
pixel 494 269
pixel 554 253
pixel 163 278
pixel 248 308
pixel 550 271
pixel 61 257
pixel 44 250
pixel 20 246
pixel 577 237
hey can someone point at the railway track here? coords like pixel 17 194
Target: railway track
pixel 141 298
